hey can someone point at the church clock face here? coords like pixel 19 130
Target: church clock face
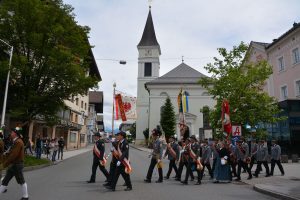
pixel 148 52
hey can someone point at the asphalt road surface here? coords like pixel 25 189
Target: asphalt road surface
pixel 67 181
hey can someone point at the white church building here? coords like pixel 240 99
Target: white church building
pixel 153 89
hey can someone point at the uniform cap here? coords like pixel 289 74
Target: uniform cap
pixel 97 134
pixel 122 133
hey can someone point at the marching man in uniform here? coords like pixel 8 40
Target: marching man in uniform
pixel 262 158
pixel 173 155
pixel 156 158
pixel 242 154
pixel 98 158
pixel 14 160
pixel 123 165
pixel 275 157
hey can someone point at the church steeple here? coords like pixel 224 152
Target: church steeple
pixel 149 37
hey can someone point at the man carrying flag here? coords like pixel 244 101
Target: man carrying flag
pixel 98 158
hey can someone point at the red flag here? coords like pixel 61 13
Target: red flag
pixel 118 99
pixel 226 123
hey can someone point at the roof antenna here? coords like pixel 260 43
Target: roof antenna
pixel 150 4
pixel 182 59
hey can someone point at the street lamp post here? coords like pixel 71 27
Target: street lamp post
pixel 7 82
pixel 113 110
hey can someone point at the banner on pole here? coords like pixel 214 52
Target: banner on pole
pixel 125 107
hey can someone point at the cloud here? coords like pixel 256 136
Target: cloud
pixel 193 29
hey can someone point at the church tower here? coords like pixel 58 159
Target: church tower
pixel 148 70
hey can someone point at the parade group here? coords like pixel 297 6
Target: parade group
pixel 228 159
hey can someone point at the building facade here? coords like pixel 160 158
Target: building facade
pixel 283 54
pixel 153 90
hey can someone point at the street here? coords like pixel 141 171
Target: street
pixel 67 180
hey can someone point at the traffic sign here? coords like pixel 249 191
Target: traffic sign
pixel 236 130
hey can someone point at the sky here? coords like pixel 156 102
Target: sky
pixel 190 28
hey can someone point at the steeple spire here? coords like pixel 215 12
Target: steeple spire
pixel 149 37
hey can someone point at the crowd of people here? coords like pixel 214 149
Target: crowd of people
pixel 222 159
pixel 228 160
pixel 50 147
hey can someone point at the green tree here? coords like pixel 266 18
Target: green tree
pixel 167 118
pixel 241 82
pixel 51 57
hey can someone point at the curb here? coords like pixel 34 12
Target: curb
pixel 31 168
pixel 274 194
pixel 135 147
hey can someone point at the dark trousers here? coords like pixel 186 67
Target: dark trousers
pixel 180 169
pixel 265 163
pixel 121 170
pixel 207 165
pixel 233 168
pixel 96 164
pixel 252 162
pixel 273 162
pixel 172 165
pixel 60 153
pixel 54 155
pixel 112 170
pixel 214 165
pixel 38 152
pixel 242 164
pixel 15 170
pixel 151 168
pixel 189 172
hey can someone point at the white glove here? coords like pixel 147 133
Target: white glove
pixel 181 151
pixel 118 163
pixel 225 157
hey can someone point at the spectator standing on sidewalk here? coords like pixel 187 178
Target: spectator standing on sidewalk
pixel 38 147
pixel 14 160
pixel 54 149
pixel 61 145
pixel 275 157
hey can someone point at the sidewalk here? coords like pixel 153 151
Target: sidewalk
pixel 70 153
pixel 282 187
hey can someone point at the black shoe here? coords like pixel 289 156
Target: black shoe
pixel 256 175
pixel 159 181
pixel 106 184
pixel 192 179
pixel 237 179
pixel 147 181
pixel 184 182
pixel 166 177
pixel 128 189
pixel 268 175
pixel 90 181
pixel 109 187
pixel 177 179
pixel 198 183
pixel 23 198
pixel 282 174
pixel 249 177
pixel 216 181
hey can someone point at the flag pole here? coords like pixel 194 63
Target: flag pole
pixel 113 110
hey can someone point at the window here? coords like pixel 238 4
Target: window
pixel 73 137
pixel 284 92
pixel 84 106
pixel 148 69
pixel 280 64
pixel 71 117
pixel 296 56
pixel 76 101
pixel 298 88
pixel 81 104
pixel 76 118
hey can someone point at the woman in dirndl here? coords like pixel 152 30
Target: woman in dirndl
pixel 222 171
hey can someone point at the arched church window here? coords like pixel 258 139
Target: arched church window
pixel 164 94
